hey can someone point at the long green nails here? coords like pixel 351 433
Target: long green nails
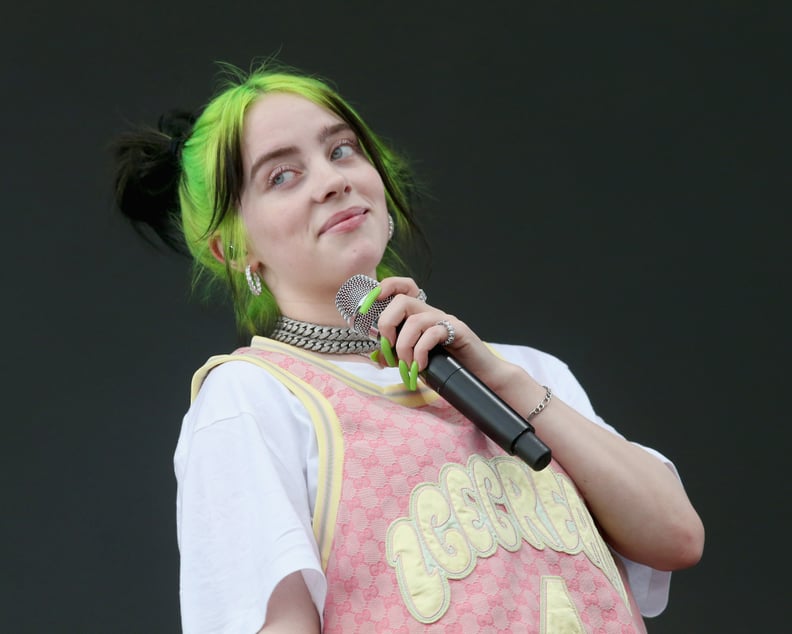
pixel 374 356
pixel 405 374
pixel 387 351
pixel 409 377
pixel 368 300
pixel 413 376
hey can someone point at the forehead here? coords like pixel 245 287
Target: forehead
pixel 278 119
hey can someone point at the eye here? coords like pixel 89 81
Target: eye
pixel 343 150
pixel 281 175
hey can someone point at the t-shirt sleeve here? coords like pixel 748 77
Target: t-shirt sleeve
pixel 650 587
pixel 243 506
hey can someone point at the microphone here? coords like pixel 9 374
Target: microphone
pixel 457 385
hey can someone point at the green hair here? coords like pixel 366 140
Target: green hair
pixel 212 178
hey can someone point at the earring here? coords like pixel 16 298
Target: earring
pixel 391 226
pixel 253 280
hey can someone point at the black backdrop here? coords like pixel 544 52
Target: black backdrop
pixel 607 183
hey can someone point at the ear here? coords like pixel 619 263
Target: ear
pixel 216 247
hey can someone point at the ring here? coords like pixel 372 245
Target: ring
pixel 451 333
pixel 421 295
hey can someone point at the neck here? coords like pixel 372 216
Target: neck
pixel 312 302
pixel 315 308
pixel 321 315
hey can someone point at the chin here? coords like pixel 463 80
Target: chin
pixel 365 262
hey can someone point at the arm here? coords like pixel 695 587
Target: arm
pixel 638 502
pixel 291 609
pixel 241 454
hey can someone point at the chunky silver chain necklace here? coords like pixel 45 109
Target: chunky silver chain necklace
pixel 321 338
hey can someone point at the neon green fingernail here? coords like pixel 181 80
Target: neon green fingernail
pixel 368 300
pixel 374 356
pixel 405 374
pixel 413 376
pixel 387 352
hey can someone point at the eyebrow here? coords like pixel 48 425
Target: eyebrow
pixel 324 134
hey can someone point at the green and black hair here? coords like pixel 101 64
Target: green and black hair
pixel 184 180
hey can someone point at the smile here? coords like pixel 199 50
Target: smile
pixel 345 220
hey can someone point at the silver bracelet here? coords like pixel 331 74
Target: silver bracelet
pixel 542 404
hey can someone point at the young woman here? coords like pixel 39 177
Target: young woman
pixel 321 486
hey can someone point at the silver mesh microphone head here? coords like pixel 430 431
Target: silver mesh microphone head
pixel 349 299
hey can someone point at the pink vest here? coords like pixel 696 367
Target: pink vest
pixel 425 525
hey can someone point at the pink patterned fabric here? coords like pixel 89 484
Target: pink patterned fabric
pixel 390 453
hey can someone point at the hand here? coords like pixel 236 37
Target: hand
pixel 409 329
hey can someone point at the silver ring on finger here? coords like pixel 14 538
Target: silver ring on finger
pixel 451 332
pixel 421 295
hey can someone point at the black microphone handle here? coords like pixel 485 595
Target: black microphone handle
pixel 485 409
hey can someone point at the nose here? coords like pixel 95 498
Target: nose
pixel 330 182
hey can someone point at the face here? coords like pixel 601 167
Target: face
pixel 313 206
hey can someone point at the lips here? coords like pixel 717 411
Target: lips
pixel 340 217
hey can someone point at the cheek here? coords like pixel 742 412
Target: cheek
pixel 260 241
pixel 277 240
pixel 370 179
pixel 376 182
pixel 264 226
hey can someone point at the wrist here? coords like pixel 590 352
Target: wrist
pixel 508 378
pixel 517 388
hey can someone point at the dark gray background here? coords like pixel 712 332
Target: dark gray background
pixel 607 183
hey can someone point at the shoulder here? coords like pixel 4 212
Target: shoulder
pixel 240 400
pixel 235 388
pixel 244 415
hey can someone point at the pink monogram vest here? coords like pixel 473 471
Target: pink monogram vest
pixel 425 525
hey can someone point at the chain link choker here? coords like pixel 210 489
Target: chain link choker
pixel 321 338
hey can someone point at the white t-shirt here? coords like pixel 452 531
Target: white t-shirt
pixel 247 465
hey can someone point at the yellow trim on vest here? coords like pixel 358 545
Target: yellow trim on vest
pixel 329 440
pixel 398 393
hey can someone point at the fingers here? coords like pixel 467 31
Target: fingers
pixel 406 299
pixel 410 328
pixel 399 286
pixel 419 333
pixel 411 350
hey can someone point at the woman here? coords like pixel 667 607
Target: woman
pixel 313 492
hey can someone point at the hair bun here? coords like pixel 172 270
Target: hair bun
pixel 178 125
pixel 147 176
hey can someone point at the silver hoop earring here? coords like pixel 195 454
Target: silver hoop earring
pixel 253 280
pixel 391 226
